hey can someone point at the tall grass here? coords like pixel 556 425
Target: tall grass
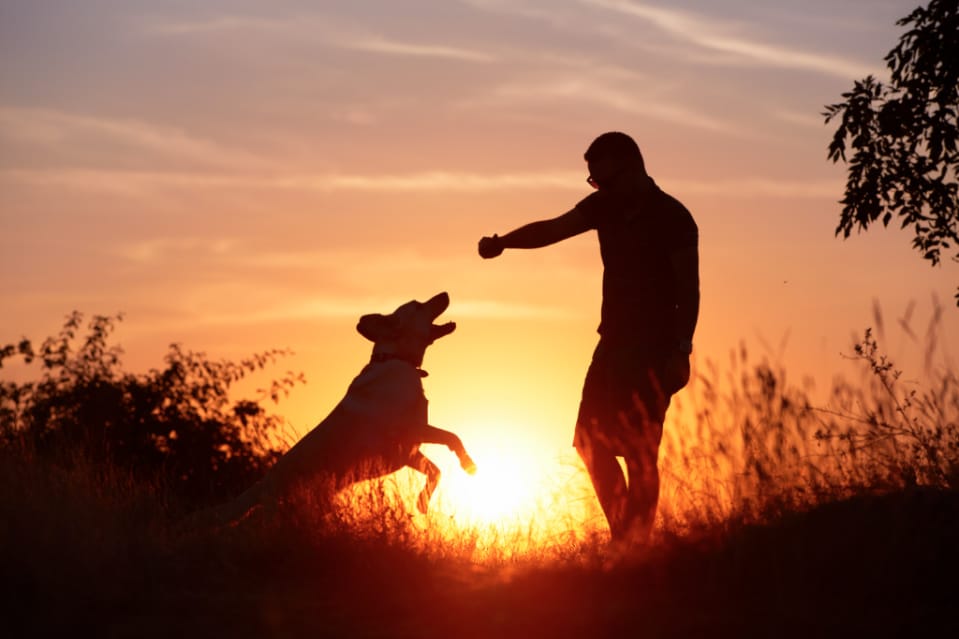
pixel 743 446
pixel 544 530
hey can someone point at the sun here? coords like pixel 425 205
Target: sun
pixel 504 487
pixel 521 499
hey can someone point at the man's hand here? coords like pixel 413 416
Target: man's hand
pixel 490 247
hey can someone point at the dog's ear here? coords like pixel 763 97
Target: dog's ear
pixel 376 327
pixel 441 330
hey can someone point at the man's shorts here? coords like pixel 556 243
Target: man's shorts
pixel 623 404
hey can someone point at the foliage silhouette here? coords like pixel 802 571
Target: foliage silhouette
pixel 903 136
pixel 177 424
pixel 908 436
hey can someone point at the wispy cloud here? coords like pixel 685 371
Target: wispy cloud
pixel 750 187
pixel 330 32
pixel 165 248
pixel 598 93
pixel 366 265
pixel 433 180
pixel 318 308
pixel 141 182
pixel 216 24
pixel 410 49
pixel 706 33
pixel 803 119
pixel 493 309
pixel 51 127
pixel 344 307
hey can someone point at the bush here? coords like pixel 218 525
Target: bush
pixel 907 436
pixel 746 443
pixel 177 424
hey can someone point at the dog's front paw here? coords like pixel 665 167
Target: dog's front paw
pixel 468 464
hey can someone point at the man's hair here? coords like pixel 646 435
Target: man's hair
pixel 614 145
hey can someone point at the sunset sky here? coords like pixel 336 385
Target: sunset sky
pixel 238 176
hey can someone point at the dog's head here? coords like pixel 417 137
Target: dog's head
pixel 408 330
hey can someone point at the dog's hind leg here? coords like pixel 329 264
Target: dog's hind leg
pixel 419 461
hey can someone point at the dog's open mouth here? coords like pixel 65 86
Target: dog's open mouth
pixel 410 318
pixel 436 305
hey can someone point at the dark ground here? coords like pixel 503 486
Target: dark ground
pixel 872 566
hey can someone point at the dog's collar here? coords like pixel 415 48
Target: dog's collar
pixel 376 358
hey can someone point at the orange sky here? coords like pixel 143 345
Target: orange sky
pixel 238 176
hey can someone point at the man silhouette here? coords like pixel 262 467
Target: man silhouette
pixel 648 242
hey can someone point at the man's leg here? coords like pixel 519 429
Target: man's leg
pixel 608 482
pixel 643 490
pixel 604 470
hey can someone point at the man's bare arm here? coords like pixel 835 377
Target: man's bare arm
pixel 536 234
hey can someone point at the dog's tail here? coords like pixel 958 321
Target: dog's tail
pixel 226 515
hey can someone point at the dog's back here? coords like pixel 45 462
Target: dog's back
pixel 378 422
pixel 378 425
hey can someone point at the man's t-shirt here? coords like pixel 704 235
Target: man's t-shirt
pixel 638 230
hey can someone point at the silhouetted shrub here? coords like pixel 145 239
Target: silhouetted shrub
pixel 911 435
pixel 744 442
pixel 177 424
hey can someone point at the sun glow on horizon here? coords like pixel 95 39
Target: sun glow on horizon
pixel 521 500
pixel 517 504
pixel 506 484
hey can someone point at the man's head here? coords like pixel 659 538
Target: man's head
pixel 613 157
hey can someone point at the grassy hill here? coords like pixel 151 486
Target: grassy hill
pixel 88 555
pixel 778 519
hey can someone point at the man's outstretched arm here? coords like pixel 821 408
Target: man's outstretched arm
pixel 536 234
